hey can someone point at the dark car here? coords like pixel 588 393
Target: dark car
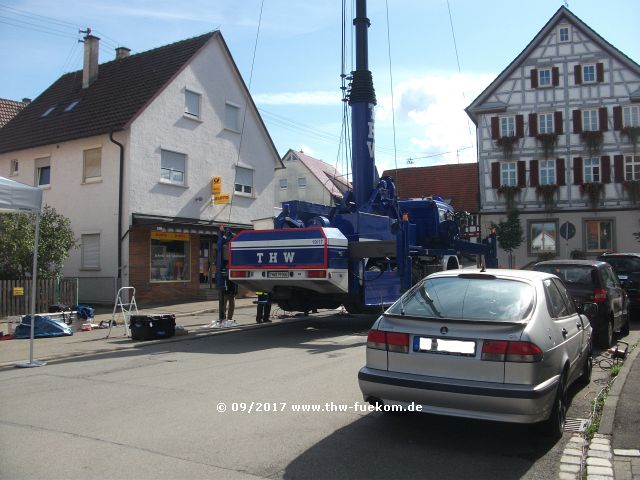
pixel 594 281
pixel 627 268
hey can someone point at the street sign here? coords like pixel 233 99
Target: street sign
pixel 216 185
pixel 567 230
pixel 221 198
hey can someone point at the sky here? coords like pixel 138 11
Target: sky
pixel 429 59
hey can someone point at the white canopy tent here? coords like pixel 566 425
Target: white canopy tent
pixel 18 197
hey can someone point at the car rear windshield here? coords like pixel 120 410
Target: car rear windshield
pixel 624 264
pixel 465 298
pixel 571 274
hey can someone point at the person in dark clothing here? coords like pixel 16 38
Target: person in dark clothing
pixel 264 307
pixel 230 292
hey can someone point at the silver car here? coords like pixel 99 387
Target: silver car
pixel 499 345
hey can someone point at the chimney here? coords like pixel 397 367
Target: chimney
pixel 90 66
pixel 26 101
pixel 122 52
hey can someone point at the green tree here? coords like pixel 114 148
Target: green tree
pixel 17 242
pixel 509 234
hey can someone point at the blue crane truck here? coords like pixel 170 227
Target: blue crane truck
pixel 362 253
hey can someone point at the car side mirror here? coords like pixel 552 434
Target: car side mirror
pixel 589 309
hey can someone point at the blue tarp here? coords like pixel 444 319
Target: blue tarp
pixel 84 311
pixel 44 326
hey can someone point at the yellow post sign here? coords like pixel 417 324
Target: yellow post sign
pixel 221 198
pixel 216 185
pixel 18 291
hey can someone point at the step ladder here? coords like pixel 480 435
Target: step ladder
pixel 124 308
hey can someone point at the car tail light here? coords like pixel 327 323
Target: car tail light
pixel 238 274
pixel 520 352
pixel 523 352
pixel 390 341
pixel 494 350
pixel 316 274
pixel 599 295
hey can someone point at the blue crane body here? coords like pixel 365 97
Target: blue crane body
pixel 362 253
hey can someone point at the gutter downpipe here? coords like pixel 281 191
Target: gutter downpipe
pixel 120 194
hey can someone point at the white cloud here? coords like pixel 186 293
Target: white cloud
pixel 430 117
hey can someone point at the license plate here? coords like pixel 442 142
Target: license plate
pixel 278 275
pixel 444 346
pixel 622 277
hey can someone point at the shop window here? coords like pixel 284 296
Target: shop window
pixel 598 235
pixel 170 257
pixel 542 237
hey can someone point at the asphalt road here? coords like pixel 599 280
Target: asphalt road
pixel 155 412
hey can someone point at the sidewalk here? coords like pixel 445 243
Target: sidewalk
pixel 196 317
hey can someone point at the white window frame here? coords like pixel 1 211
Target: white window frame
pixel 168 173
pixel 508 126
pixel 590 120
pixel 547 172
pixel 41 164
pixel 631 116
pixel 560 32
pixel 283 184
pixel 545 77
pixel 93 178
pixel 542 227
pixel 545 123
pixel 589 74
pixel 192 111
pixel 14 167
pixel 90 251
pixel 591 170
pixel 508 174
pixel 241 186
pixel 228 108
pixel 302 182
pixel 632 167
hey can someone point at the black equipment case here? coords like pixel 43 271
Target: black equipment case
pixel 150 327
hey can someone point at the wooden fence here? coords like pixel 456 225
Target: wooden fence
pixel 49 292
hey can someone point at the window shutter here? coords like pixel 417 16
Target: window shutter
pixel 557 123
pixel 495 128
pixel 577 171
pixel 90 250
pixel 495 174
pixel 603 119
pixel 606 168
pixel 519 126
pixel 555 76
pixel 577 121
pixel 617 118
pixel 561 171
pixel 533 124
pixel 522 174
pixel 534 78
pixel 600 72
pixel 577 74
pixel 533 173
pixel 618 168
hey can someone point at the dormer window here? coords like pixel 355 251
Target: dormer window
pixel 563 33
pixel 72 105
pixel 48 111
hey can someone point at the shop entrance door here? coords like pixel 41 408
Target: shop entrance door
pixel 207 262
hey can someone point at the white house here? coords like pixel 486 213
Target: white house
pixel 555 134
pixel 308 179
pixel 148 155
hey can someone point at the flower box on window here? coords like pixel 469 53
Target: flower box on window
pixel 548 195
pixel 509 193
pixel 507 144
pixel 549 142
pixel 593 191
pixel 592 140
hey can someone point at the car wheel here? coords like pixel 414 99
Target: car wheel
pixel 587 368
pixel 605 339
pixel 554 426
pixel 624 331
